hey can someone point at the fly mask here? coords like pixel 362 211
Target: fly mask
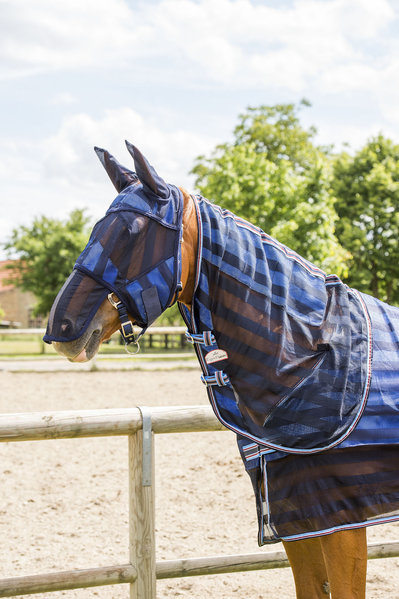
pixel 133 252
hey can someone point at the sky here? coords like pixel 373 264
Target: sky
pixel 172 76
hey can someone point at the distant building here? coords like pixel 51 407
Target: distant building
pixel 16 304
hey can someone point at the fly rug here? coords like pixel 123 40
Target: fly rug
pixel 304 369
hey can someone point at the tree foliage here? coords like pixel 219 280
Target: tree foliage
pixel 276 177
pixel 46 252
pixel 366 186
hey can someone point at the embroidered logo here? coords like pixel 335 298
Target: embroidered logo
pixel 216 355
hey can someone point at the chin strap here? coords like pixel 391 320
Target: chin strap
pixel 153 308
pixel 126 329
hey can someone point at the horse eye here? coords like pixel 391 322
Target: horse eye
pixel 66 327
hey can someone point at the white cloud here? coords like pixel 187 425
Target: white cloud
pixel 46 35
pixel 63 99
pixel 362 19
pixel 280 68
pixel 344 136
pixel 231 41
pixel 344 78
pixel 386 89
pixel 308 47
pixel 57 174
pixel 240 43
pixel 68 154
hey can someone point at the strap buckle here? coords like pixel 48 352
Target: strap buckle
pixel 207 338
pixel 127 331
pixel 218 378
pixel 114 303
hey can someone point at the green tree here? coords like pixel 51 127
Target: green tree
pixel 170 318
pixel 46 252
pixel 366 186
pixel 275 176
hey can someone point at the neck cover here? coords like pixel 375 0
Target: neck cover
pixel 284 348
pixel 134 251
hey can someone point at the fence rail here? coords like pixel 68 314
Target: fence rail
pixel 155 338
pixel 150 331
pixel 139 424
pixel 35 426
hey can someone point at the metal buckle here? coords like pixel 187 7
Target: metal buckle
pixel 189 337
pixel 218 378
pixel 127 335
pixel 111 300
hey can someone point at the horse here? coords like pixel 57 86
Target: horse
pixel 252 306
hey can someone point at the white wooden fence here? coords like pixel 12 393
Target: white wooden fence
pixel 165 335
pixel 139 424
pixel 175 330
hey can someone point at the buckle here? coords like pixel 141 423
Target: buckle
pixel 126 328
pixel 207 338
pixel 189 338
pixel 130 332
pixel 111 300
pixel 218 378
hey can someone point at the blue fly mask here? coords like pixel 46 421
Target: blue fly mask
pixel 134 252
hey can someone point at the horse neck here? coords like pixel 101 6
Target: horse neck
pixel 188 249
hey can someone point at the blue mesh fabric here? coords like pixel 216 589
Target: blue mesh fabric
pixel 295 341
pixel 74 307
pixel 306 372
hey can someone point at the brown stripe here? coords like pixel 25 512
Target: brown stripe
pixel 300 508
pixel 262 319
pixel 137 256
pixel 161 240
pixel 291 469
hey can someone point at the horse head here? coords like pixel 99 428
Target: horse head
pixel 133 267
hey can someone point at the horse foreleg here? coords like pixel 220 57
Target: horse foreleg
pixel 308 567
pixel 336 562
pixel 345 556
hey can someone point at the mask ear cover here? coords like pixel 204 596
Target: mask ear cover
pixel 152 183
pixel 120 176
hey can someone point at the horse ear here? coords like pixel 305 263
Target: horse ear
pixel 151 181
pixel 120 176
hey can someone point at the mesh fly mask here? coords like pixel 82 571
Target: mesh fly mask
pixel 134 252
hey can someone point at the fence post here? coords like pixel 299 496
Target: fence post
pixel 142 518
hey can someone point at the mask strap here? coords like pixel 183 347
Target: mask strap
pixel 153 309
pixel 151 303
pixel 126 329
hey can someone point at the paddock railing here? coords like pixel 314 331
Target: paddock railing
pixel 156 338
pixel 141 573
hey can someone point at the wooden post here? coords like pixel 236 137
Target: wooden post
pixel 141 521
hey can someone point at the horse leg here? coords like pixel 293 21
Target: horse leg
pixel 345 556
pixel 308 567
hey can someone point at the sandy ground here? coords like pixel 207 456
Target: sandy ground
pixel 63 503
